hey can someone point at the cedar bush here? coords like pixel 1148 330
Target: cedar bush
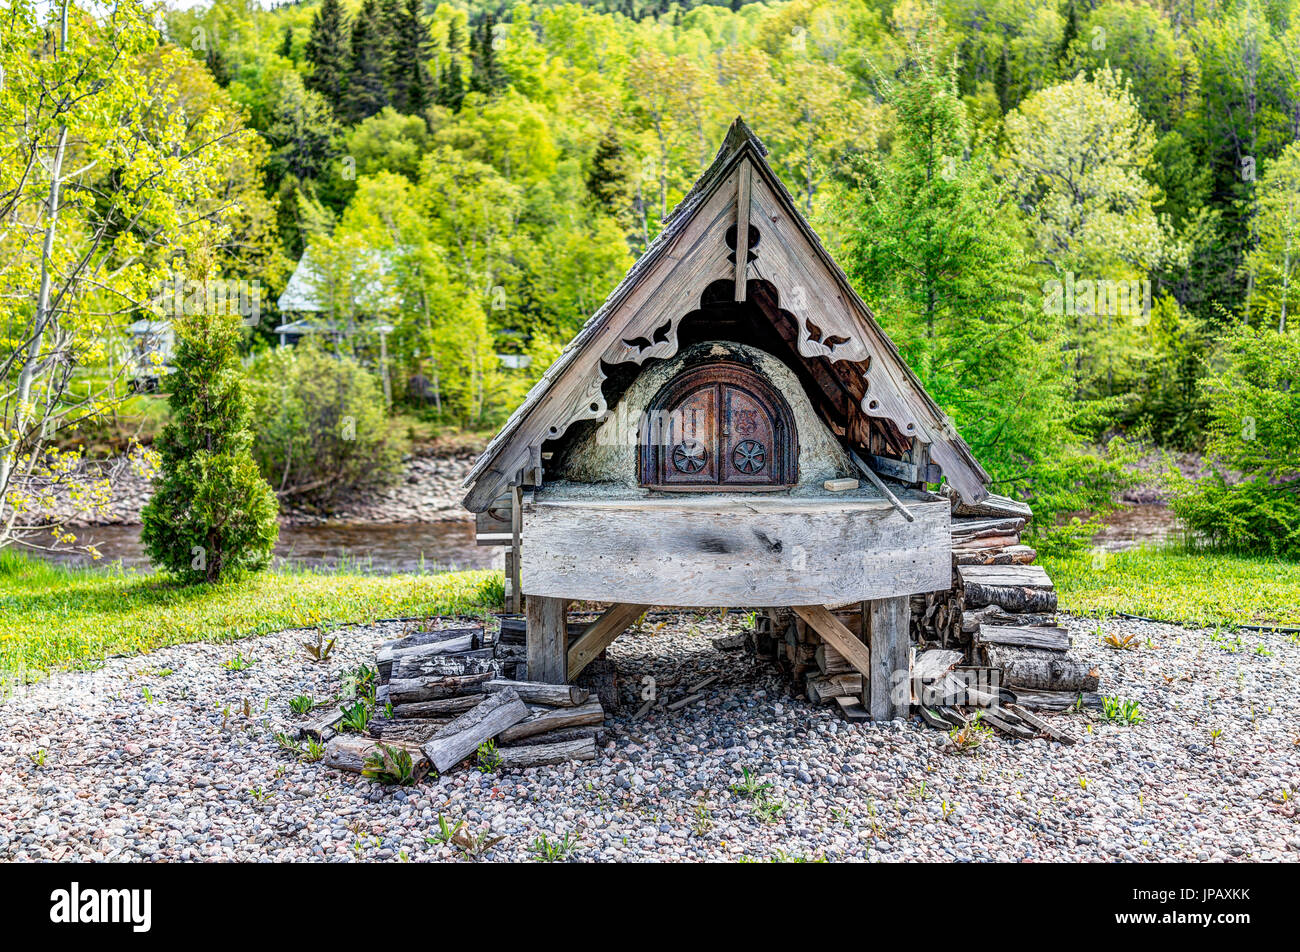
pixel 321 427
pixel 212 515
pixel 1251 502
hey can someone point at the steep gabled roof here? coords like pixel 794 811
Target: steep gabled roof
pixel 640 320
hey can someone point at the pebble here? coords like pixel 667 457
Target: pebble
pixel 1212 773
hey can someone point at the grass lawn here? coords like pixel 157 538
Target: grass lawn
pixel 1187 588
pixel 52 617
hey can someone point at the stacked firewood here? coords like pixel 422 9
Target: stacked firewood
pixel 805 659
pixel 442 697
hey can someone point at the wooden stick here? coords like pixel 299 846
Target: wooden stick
pixel 880 484
pixel 600 634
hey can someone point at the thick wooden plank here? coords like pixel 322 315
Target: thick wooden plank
pixel 716 549
pixel 1040 725
pixel 442 666
pixel 886 690
pixel 553 719
pixel 1052 638
pixel 538 692
pixel 600 634
pixel 457 740
pixel 1054 700
pixel 547 635
pixel 839 637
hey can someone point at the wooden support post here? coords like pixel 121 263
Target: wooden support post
pixel 886 693
pixel 547 639
pixel 742 229
pixel 600 634
pixel 516 528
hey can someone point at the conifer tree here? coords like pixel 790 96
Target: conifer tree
pixel 409 83
pixel 487 76
pixel 327 51
pixel 451 81
pixel 367 64
pixel 286 42
pixel 212 515
pixel 945 269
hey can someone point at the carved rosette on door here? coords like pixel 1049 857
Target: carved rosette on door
pixel 719 427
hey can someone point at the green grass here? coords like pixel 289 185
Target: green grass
pixel 53 617
pixel 1187 588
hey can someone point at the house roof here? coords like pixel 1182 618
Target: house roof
pixel 821 316
pixel 302 292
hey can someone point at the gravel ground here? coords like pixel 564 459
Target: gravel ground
pixel 157 757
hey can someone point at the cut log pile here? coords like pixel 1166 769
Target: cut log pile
pixel 991 643
pixel 444 693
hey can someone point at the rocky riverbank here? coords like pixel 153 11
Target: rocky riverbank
pixel 429 490
pixel 173 756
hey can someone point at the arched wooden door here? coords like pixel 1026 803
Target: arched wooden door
pixel 719 426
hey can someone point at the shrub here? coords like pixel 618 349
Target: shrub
pixel 211 516
pixel 1254 403
pixel 321 425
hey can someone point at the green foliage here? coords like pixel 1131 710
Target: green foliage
pixel 1120 711
pixel 74 618
pixel 1253 408
pixel 487 759
pixel 212 515
pixel 356 717
pixel 1184 588
pixel 320 425
pixel 389 764
pixel 546 850
pixel 302 704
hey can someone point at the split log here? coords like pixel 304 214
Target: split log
pixel 823 690
pixel 1048 637
pixel 934 664
pixel 406 692
pixel 1006 555
pixel 551 719
pixel 829 661
pixel 1041 725
pixel 539 755
pixel 321 728
pixel 851 709
pixel 600 734
pixel 457 740
pixel 1006 722
pixel 414 729
pixel 991 506
pixel 443 666
pixel 1054 700
pixel 1009 598
pixel 465 640
pixel 419 638
pixel 538 692
pixel 600 679
pixel 442 708
pixel 995 615
pixel 1041 670
pixel 349 752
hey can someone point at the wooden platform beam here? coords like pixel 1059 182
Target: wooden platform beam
pixel 886 693
pixel 548 641
pixel 600 634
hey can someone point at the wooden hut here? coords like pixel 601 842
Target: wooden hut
pixel 691 445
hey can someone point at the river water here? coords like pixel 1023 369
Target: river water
pixel 366 548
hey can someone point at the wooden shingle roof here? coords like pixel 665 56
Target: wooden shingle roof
pixel 821 316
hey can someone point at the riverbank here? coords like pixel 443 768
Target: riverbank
pixel 428 491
